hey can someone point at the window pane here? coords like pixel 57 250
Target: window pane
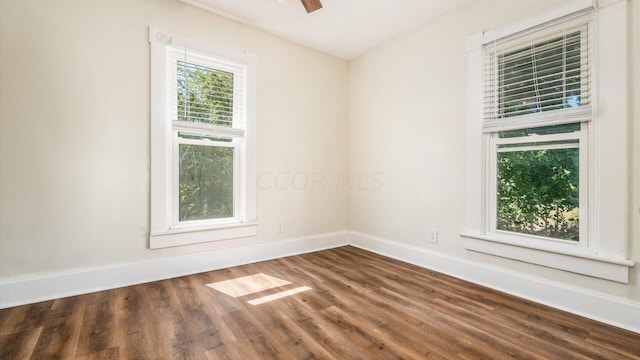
pixel 203 137
pixel 558 144
pixel 206 182
pixel 538 192
pixel 542 130
pixel 541 77
pixel 205 95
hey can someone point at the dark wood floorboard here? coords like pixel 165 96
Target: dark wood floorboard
pixel 360 306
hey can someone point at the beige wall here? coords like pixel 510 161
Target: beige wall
pixel 408 122
pixel 75 132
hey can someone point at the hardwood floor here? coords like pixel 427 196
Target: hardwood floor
pixel 359 306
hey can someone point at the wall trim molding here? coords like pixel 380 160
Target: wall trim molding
pixel 591 304
pixel 55 286
pixel 594 265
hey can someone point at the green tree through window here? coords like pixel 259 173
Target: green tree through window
pixel 206 182
pixel 538 192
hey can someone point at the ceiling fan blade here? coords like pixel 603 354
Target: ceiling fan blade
pixel 311 5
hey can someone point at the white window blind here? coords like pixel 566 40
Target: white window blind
pixel 207 94
pixel 539 77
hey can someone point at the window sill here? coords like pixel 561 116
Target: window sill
pixel 574 261
pixel 196 235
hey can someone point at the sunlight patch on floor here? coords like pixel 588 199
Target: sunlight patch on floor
pixel 248 285
pixel 277 296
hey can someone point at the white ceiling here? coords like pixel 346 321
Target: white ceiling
pixel 344 28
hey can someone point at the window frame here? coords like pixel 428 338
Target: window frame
pixel 492 180
pixel 166 229
pixel 604 254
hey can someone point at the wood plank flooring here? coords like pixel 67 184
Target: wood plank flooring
pixel 360 306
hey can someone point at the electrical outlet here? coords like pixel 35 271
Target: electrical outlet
pixel 433 236
pixel 280 228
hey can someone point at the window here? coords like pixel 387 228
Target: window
pixel 536 116
pixel 547 119
pixel 202 145
pixel 536 183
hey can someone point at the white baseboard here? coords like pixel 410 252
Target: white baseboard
pixel 591 304
pixel 27 291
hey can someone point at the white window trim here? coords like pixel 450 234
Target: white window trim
pixel 163 230
pixel 605 256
